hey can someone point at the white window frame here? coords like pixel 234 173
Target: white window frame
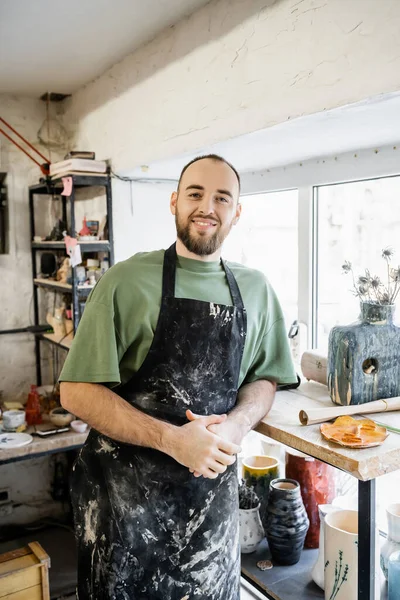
pixel 306 177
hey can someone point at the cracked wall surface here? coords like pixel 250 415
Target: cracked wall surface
pixel 237 66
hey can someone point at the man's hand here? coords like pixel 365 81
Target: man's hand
pixel 201 450
pixel 226 429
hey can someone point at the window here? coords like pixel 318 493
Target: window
pixel 355 222
pixel 266 239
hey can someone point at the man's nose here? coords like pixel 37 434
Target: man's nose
pixel 207 204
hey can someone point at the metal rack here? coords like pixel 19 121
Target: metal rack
pixel 78 293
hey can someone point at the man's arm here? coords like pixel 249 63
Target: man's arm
pixel 254 402
pixel 192 444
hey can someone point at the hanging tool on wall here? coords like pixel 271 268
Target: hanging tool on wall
pixel 44 167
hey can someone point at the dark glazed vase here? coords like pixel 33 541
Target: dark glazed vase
pixel 287 522
pixel 363 358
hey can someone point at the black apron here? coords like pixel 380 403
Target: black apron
pixel 146 528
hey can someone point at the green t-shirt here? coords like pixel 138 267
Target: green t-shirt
pixel 121 313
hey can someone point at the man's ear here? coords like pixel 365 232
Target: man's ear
pixel 238 213
pixel 173 201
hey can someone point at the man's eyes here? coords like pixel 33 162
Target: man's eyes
pixel 197 195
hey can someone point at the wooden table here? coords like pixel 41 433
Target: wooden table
pixel 283 424
pixel 41 446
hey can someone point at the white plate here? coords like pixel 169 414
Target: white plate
pixel 14 440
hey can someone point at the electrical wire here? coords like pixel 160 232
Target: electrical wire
pixel 142 179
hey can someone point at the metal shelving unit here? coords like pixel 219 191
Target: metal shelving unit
pixel 78 293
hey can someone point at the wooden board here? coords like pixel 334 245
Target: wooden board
pixel 54 443
pixel 282 424
pixel 65 342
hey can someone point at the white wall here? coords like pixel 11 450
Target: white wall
pixel 234 67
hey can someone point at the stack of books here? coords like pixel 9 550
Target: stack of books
pixel 77 166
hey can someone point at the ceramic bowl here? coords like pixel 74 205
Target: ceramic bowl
pixel 79 426
pixel 13 419
pixel 61 417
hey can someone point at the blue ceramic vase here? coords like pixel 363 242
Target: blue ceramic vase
pixel 364 357
pixel 287 522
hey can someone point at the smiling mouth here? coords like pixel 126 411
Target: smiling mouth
pixel 203 224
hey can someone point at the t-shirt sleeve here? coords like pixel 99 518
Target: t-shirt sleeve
pixel 96 350
pixel 273 360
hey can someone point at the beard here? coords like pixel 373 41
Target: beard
pixel 198 244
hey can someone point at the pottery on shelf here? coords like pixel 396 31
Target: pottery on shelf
pixel 392 543
pixel 317 573
pixel 258 472
pixel 251 531
pixel 317 485
pixel 363 360
pixel 341 555
pixel 286 522
pixel 60 417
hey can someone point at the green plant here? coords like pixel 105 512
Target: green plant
pixel 247 497
pixel 370 288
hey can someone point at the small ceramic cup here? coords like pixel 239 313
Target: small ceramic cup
pixel 79 426
pixel 13 419
pixel 258 472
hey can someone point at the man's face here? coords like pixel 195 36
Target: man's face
pixel 206 206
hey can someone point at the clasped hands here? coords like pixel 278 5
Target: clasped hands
pixel 207 445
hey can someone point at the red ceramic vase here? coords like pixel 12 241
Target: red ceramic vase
pixel 317 486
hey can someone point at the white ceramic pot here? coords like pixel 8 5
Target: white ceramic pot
pixel 341 555
pixel 12 419
pixel 318 570
pixel 251 531
pixel 392 543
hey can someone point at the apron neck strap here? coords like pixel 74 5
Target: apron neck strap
pixel 169 273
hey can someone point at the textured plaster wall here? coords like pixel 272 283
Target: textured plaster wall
pixel 17 365
pixel 237 66
pixel 28 482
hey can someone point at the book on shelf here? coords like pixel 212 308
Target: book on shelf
pixel 80 154
pixel 82 165
pixel 85 173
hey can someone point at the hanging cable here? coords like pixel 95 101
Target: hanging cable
pixel 142 179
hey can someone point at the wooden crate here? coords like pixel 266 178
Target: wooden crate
pixel 24 574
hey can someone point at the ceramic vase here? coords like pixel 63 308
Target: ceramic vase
pixel 317 573
pixel 341 555
pixel 258 472
pixel 392 543
pixel 394 576
pixel 251 531
pixel 286 522
pixel 363 360
pixel 317 485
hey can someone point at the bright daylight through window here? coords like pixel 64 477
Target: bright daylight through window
pixel 266 239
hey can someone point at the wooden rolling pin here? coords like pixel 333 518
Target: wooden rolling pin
pixel 320 415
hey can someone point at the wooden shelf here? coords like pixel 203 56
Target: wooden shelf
pixel 95 246
pixel 83 290
pixel 52 284
pixel 283 424
pixel 65 342
pixel 282 582
pixel 79 180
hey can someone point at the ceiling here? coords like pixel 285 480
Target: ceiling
pixel 60 45
pixel 368 124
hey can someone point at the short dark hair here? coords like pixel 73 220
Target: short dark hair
pixel 214 157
